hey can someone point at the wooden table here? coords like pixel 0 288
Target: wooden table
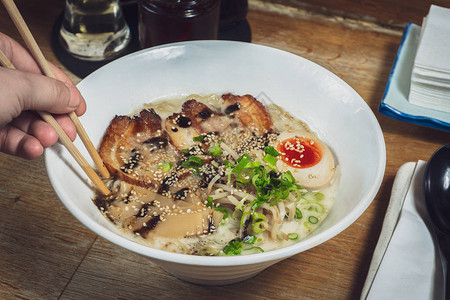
pixel 45 253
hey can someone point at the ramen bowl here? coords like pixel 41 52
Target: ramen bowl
pixel 331 108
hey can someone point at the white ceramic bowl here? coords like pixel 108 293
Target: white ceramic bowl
pixel 331 107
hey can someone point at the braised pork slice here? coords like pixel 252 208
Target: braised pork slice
pixel 251 113
pixel 205 119
pixel 147 213
pixel 136 149
pixel 242 122
pixel 180 130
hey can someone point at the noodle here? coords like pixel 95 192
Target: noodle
pixel 218 196
pixel 230 151
pixel 291 210
pixel 282 209
pixel 213 181
pixel 233 200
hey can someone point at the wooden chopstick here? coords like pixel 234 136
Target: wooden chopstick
pixel 5 61
pixel 24 31
pixel 65 140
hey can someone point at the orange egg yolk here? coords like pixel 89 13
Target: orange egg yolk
pixel 299 152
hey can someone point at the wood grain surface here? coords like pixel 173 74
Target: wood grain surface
pixel 45 253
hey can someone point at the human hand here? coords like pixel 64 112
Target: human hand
pixel 23 92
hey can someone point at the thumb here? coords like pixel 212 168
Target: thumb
pixel 38 92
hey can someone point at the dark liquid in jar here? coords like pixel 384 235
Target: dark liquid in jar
pixel 167 21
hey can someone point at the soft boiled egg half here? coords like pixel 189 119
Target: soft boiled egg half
pixel 308 158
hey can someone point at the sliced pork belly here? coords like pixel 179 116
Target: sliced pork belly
pixel 251 113
pixel 149 214
pixel 133 149
pixel 241 122
pixel 198 221
pixel 204 119
pixel 243 113
pixel 180 131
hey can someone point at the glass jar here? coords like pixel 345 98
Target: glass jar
pixel 167 21
pixel 94 30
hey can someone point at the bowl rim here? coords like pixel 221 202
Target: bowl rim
pixel 248 259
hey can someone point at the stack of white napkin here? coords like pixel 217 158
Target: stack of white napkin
pixel 406 263
pixel 430 79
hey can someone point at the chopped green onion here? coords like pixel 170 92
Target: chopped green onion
pixel 209 201
pixel 242 162
pixel 271 186
pixel 257 203
pixel 271 151
pixel 258 217
pixel 192 162
pixel 215 150
pixel 265 192
pixel 254 248
pixel 259 227
pixel 239 185
pixel 234 247
pixel 244 176
pixel 198 138
pixel 310 197
pixel 249 239
pixel 314 206
pixel 319 196
pixel 228 173
pixel 260 177
pixel 270 160
pixel 243 219
pixel 288 176
pixel 244 157
pixel 298 214
pixel 253 165
pixel 292 236
pixel 224 211
pixel 165 166
pixel 298 193
pixel 313 220
pixel 228 164
pixel 241 203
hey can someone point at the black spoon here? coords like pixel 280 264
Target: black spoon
pixel 436 187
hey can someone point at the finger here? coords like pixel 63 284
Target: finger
pixel 60 75
pixel 22 59
pixel 32 124
pixel 21 91
pixel 67 125
pixel 16 142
